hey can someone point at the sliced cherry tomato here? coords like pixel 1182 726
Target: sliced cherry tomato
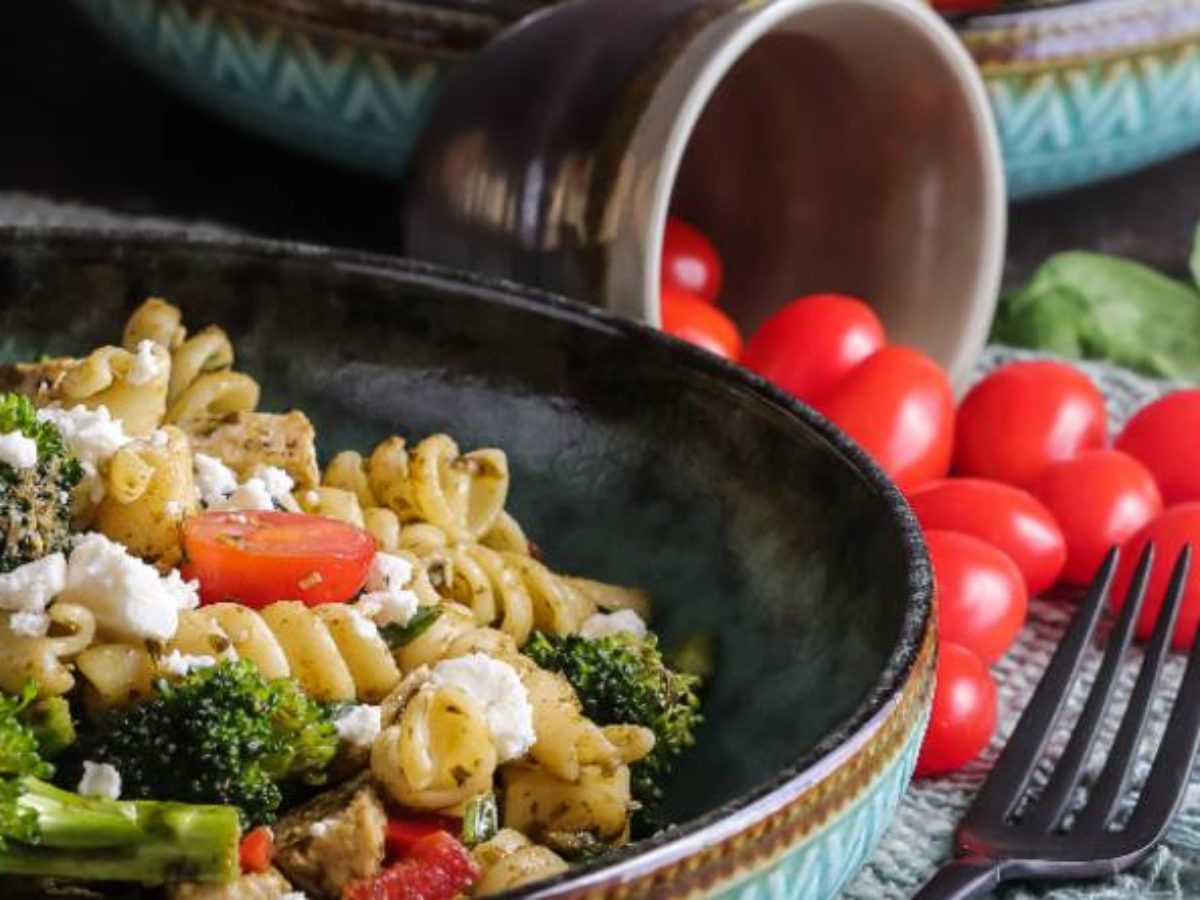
pixel 898 405
pixel 404 834
pixel 1025 416
pixel 1101 499
pixel 1165 436
pixel 689 317
pixel 690 262
pixel 813 342
pixel 257 849
pixel 439 868
pixel 1176 528
pixel 981 594
pixel 1006 517
pixel 964 712
pixel 256 557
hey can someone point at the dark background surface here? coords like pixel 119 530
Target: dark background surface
pixel 81 124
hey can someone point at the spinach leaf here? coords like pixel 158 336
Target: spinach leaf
pixel 1091 306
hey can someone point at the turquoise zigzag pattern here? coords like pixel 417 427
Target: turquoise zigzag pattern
pixel 1064 127
pixel 341 99
pixel 820 868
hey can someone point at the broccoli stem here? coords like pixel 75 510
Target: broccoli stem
pixel 146 841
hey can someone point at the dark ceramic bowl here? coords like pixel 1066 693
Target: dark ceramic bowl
pixel 635 458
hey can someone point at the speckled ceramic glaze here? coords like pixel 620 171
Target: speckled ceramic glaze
pixel 350 80
pixel 634 458
pixel 1084 91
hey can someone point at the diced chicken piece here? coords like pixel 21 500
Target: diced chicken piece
pixel 333 839
pixel 37 380
pixel 268 885
pixel 246 440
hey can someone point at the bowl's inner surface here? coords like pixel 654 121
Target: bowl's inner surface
pixel 626 465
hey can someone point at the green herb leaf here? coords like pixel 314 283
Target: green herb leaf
pixel 1091 306
pixel 399 635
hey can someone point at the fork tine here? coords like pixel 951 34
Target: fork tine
pixel 1105 797
pixel 1164 789
pixel 1048 809
pixel 1017 761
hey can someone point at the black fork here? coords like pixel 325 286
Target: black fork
pixel 1012 834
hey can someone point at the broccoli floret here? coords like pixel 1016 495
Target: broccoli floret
pixel 622 680
pixel 35 503
pixel 50 832
pixel 52 725
pixel 223 734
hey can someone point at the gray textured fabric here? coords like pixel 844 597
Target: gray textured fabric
pixel 920 837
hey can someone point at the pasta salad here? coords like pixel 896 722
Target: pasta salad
pixel 227 671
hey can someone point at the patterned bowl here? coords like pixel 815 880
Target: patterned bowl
pixel 1088 90
pixel 634 457
pixel 350 80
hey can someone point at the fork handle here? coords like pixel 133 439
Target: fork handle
pixel 961 879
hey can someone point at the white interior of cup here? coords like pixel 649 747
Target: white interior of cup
pixel 830 145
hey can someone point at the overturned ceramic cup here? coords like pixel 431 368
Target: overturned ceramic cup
pixel 822 144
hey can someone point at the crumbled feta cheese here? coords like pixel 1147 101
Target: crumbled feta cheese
pixel 251 495
pixel 158 438
pixel 173 508
pixel 362 626
pixel 623 621
pixel 320 828
pixel 99 780
pixel 93 436
pixel 388 572
pixel 294 895
pixel 180 664
pixel 31 587
pixel 29 624
pixel 386 600
pixel 146 364
pixel 497 688
pixel 186 594
pixel 17 450
pixel 312 498
pixel 359 725
pixel 268 488
pixel 215 481
pixel 128 597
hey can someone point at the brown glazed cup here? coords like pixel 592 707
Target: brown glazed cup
pixel 841 145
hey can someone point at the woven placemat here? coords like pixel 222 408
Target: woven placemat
pixel 920 838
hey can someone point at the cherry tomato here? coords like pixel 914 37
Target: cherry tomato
pixel 404 834
pixel 1025 416
pixel 691 318
pixel 257 557
pixel 257 849
pixel 964 712
pixel 1008 518
pixel 981 594
pixel 813 342
pixel 1165 436
pixel 1176 528
pixel 898 405
pixel 690 262
pixel 1101 499
pixel 437 868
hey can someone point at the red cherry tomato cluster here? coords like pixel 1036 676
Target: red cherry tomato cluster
pixel 1037 496
pixel 1041 486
